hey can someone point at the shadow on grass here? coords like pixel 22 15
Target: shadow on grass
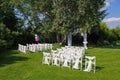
pixel 99 68
pixel 10 57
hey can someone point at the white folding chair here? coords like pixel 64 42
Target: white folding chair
pixel 90 63
pixel 33 48
pixel 46 58
pixel 77 62
pixel 24 49
pixel 19 47
pixel 66 61
pixel 45 46
pixel 56 59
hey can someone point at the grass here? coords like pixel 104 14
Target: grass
pixel 15 65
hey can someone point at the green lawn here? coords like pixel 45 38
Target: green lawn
pixel 15 65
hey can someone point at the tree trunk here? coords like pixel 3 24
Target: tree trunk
pixel 69 39
pixel 61 39
pixel 85 40
pixel 58 38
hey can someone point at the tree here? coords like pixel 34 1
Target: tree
pixel 62 17
pixel 8 22
pixel 71 15
pixel 99 34
pixel 65 18
pixel 91 14
pixel 116 32
pixel 7 15
pixel 6 39
pixel 102 35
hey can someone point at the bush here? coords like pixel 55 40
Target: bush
pixel 2 43
pixel 118 42
pixel 6 40
pixel 105 42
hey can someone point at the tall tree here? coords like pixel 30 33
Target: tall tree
pixel 91 14
pixel 100 34
pixel 116 32
pixel 7 15
pixel 63 17
pixel 71 15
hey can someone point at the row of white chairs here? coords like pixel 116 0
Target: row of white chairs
pixel 65 56
pixel 34 47
pixel 70 57
pixel 39 47
pixel 22 48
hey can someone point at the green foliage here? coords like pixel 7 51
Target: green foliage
pixel 90 13
pixel 10 20
pixel 7 15
pixel 72 15
pixel 116 31
pixel 53 20
pixel 6 39
pixel 2 43
pixel 102 35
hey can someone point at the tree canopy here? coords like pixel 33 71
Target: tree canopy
pixel 56 18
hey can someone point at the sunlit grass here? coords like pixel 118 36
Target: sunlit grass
pixel 15 65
